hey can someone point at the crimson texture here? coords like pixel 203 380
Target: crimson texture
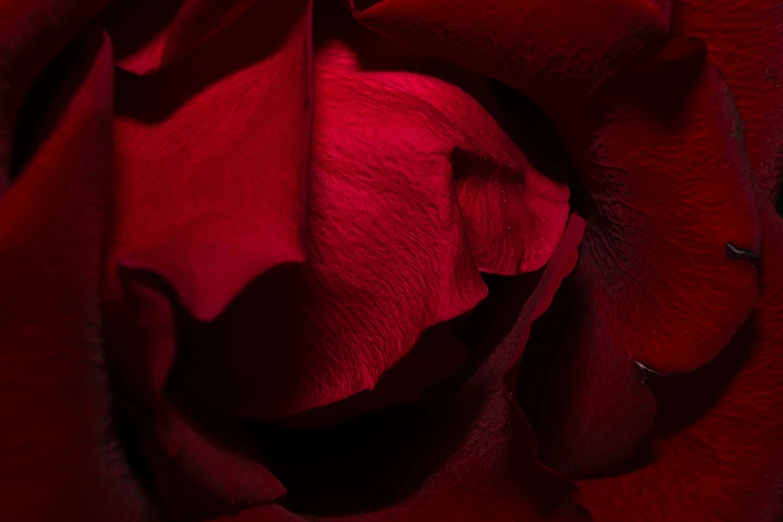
pixel 391 260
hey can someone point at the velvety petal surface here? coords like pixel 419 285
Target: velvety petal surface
pixel 413 189
pixel 719 454
pixel 745 42
pixel 212 158
pixel 60 455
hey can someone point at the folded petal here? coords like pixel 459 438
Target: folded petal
pixel 670 211
pixel 413 187
pixel 745 42
pixel 584 396
pixel 468 455
pixel 553 52
pixel 199 462
pixel 212 158
pixel 719 453
pixel 150 35
pixel 61 457
pixel 660 281
pixel 31 35
pixel 204 469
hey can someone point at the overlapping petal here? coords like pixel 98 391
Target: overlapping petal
pixel 719 455
pixel 31 34
pixel 553 52
pixel 413 189
pixel 467 456
pixel 666 273
pixel 671 208
pixel 213 157
pixel 61 458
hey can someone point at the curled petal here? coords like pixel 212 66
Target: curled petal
pixel 467 455
pixel 31 35
pixel 669 190
pixel 584 395
pixel 719 456
pixel 196 473
pixel 393 239
pixel 661 280
pixel 212 158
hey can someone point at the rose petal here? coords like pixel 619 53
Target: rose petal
pixel 150 35
pixel 213 156
pixel 61 459
pixel 200 463
pixel 746 44
pixel 468 456
pixel 584 396
pixel 668 189
pixel 726 462
pixel 512 40
pixel 31 34
pixel 387 255
pixel 513 214
pixel 196 473
pixel 663 207
pixel 200 167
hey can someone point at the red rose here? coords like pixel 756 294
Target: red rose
pixel 275 261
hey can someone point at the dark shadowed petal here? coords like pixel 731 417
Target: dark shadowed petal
pixel 201 463
pixel 719 456
pixel 468 455
pixel 203 469
pixel 587 401
pixel 668 190
pixel 60 458
pixel 152 34
pixel 212 155
pixel 414 186
pixel 745 42
pixel 31 34
pixel 552 51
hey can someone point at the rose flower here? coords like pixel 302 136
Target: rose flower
pixel 391 260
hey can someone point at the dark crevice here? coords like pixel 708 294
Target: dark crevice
pixel 361 5
pixel 779 206
pixel 35 118
pixel 366 464
pixel 533 133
